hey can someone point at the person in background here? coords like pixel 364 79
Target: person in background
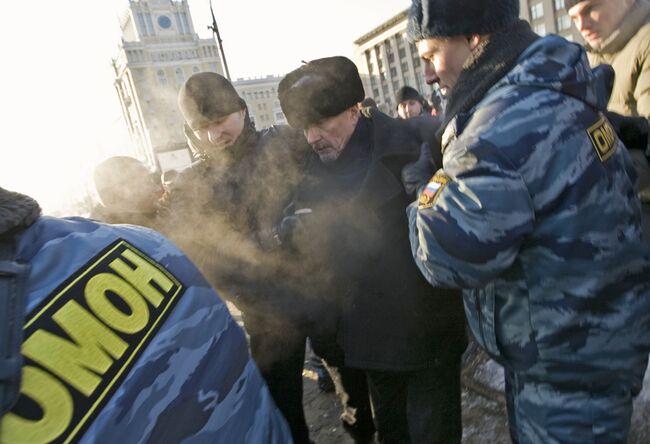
pixel 535 216
pixel 129 193
pixel 111 334
pixel 349 229
pixel 368 102
pixel 617 33
pixel 410 103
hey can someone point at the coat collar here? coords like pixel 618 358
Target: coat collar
pixel 634 19
pixel 489 62
pixel 395 145
pixel 16 211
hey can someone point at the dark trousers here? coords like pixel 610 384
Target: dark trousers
pixel 351 388
pixel 280 358
pixel 418 407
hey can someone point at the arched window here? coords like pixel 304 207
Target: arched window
pixel 162 79
pixel 180 77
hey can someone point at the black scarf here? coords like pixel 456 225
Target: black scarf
pixel 492 59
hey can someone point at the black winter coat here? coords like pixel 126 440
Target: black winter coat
pixel 390 318
pixel 219 211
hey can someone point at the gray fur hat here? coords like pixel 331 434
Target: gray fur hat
pixel 450 18
pixel 319 89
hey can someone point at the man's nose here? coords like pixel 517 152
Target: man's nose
pixel 430 75
pixel 214 133
pixel 311 134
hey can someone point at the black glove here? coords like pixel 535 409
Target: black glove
pixel 418 173
pixel 633 131
pixel 285 230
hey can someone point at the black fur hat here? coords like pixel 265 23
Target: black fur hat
pixel 450 18
pixel 319 89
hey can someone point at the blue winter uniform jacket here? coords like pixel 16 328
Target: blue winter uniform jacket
pixel 125 342
pixel 535 216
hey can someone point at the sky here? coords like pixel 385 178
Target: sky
pixel 60 111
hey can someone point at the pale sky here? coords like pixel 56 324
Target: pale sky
pixel 60 111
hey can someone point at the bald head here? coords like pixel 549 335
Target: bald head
pixel 125 184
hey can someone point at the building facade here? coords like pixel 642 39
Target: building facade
pixel 261 96
pixel 549 17
pixel 387 61
pixel 159 49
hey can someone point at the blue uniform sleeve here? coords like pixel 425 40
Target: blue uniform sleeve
pixel 470 219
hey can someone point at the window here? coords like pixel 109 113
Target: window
pixel 149 23
pixel 559 5
pixel 536 11
pixel 162 79
pixel 180 77
pixel 563 22
pixel 185 22
pixel 393 72
pixel 540 29
pixel 141 24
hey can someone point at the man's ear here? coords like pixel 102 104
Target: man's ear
pixel 473 41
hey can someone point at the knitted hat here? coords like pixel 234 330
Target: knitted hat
pixel 208 96
pixel 407 93
pixel 319 89
pixel 450 18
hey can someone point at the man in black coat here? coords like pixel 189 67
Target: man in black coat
pixel 348 224
pixel 218 211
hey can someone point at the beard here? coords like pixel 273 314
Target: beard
pixel 327 153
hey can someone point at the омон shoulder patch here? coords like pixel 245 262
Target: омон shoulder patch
pixel 81 342
pixel 603 138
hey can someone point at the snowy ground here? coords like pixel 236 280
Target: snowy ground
pixel 484 414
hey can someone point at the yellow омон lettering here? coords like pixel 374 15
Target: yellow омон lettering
pixel 141 276
pixel 73 362
pixel 55 402
pixel 95 293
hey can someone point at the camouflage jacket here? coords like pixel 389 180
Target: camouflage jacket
pixel 535 216
pixel 124 341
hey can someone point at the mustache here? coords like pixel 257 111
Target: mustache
pixel 321 146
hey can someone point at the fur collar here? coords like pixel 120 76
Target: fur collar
pixel 16 211
pixel 489 62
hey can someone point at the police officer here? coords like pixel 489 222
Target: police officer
pixel 122 340
pixel 535 216
pixel 406 336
